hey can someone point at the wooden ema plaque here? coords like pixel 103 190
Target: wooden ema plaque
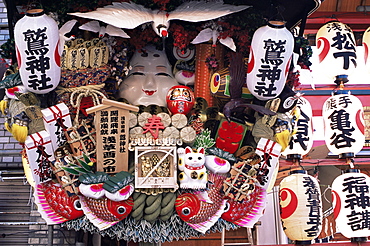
pixel 112 135
pixel 155 167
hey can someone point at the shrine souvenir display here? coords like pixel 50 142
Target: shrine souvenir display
pixel 300 206
pixel 348 188
pixel 336 49
pixel 164 132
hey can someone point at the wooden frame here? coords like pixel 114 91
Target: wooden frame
pixel 148 164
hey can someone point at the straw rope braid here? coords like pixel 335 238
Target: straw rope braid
pixel 78 94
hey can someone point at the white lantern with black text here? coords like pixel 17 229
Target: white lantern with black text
pixel 351 202
pixel 269 60
pixel 344 128
pixel 301 142
pixel 366 46
pixel 37 46
pixel 336 49
pixel 300 206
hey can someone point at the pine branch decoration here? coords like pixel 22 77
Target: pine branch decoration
pixel 204 140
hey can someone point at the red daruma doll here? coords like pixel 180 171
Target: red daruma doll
pixel 180 99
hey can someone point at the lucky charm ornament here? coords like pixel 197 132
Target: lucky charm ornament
pixel 180 99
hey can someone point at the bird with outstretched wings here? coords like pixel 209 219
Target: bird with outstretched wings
pixel 130 15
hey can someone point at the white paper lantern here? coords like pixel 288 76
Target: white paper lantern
pixel 300 205
pixel 301 142
pixel 269 60
pixel 351 202
pixel 366 45
pixel 36 40
pixel 344 128
pixel 336 49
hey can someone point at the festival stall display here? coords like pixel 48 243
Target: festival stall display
pixel 133 148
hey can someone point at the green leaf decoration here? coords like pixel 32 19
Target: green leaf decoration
pixel 84 165
pixel 72 165
pixel 81 170
pixel 71 170
pixel 87 160
pixel 204 140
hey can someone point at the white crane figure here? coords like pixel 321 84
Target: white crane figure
pixel 66 28
pixel 213 32
pixel 131 15
pixel 94 26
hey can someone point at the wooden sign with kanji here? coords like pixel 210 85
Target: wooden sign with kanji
pixel 112 135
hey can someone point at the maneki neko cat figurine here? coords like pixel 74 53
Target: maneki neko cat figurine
pixel 193 173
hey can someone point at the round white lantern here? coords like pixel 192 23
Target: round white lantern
pixel 269 60
pixel 36 41
pixel 344 127
pixel 336 49
pixel 301 142
pixel 351 197
pixel 300 205
pixel 366 46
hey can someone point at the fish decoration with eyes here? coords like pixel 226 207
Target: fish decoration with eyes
pixel 247 212
pixel 130 15
pixel 201 210
pixel 106 200
pixel 54 205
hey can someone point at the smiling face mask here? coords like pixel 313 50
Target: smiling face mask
pixel 149 79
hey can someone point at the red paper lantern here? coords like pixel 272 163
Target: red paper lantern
pixel 269 60
pixel 344 127
pixel 301 142
pixel 37 46
pixel 300 204
pixel 336 49
pixel 351 202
